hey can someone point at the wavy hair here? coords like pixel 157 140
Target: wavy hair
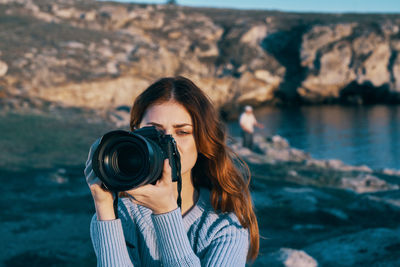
pixel 217 167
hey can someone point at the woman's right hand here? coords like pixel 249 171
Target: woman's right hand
pixel 103 199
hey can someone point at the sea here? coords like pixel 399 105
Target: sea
pixel 357 135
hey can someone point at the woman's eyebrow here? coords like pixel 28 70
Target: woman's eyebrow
pixel 180 125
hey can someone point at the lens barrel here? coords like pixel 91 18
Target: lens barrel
pixel 125 160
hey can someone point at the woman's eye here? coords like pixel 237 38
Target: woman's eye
pixel 182 132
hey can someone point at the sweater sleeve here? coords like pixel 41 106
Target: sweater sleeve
pixel 174 245
pixel 109 243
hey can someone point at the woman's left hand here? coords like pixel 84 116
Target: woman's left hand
pixel 161 197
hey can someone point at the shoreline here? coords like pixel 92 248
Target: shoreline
pixel 306 208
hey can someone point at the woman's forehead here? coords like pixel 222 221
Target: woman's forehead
pixel 167 113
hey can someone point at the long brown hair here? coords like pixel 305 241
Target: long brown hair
pixel 215 167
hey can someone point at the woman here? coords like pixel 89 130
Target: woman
pixel 216 224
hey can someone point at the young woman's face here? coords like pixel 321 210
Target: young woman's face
pixel 172 118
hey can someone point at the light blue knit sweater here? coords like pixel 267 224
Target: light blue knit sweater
pixel 201 238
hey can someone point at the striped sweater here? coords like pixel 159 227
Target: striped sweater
pixel 200 238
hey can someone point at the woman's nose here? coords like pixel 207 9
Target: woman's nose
pixel 169 131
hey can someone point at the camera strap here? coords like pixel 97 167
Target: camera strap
pixel 115 205
pixel 179 200
pixel 179 177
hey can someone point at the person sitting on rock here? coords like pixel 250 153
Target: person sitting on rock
pixel 247 121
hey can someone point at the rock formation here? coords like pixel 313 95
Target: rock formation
pixel 101 54
pixel 350 60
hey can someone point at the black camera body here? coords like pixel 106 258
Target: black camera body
pixel 126 160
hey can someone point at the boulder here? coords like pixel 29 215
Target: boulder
pixel 287 257
pixel 355 249
pixel 366 183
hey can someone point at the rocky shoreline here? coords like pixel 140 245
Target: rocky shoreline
pixel 311 212
pixel 322 212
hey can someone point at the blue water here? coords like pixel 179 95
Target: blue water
pixel 357 135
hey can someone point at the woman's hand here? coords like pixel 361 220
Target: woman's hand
pixel 103 199
pixel 161 197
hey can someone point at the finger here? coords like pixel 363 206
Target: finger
pixel 141 190
pixel 166 175
pixel 141 195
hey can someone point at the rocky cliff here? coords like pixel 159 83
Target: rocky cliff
pixel 101 54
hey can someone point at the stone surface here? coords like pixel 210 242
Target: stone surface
pixel 333 74
pixel 357 248
pixel 310 212
pixel 348 59
pixel 238 57
pixel 287 257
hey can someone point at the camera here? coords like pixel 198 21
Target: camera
pixel 126 160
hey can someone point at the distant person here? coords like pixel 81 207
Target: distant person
pixel 247 121
pixel 215 224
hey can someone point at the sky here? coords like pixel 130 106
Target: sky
pixel 331 6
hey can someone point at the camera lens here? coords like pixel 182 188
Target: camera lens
pixel 124 160
pixel 129 159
